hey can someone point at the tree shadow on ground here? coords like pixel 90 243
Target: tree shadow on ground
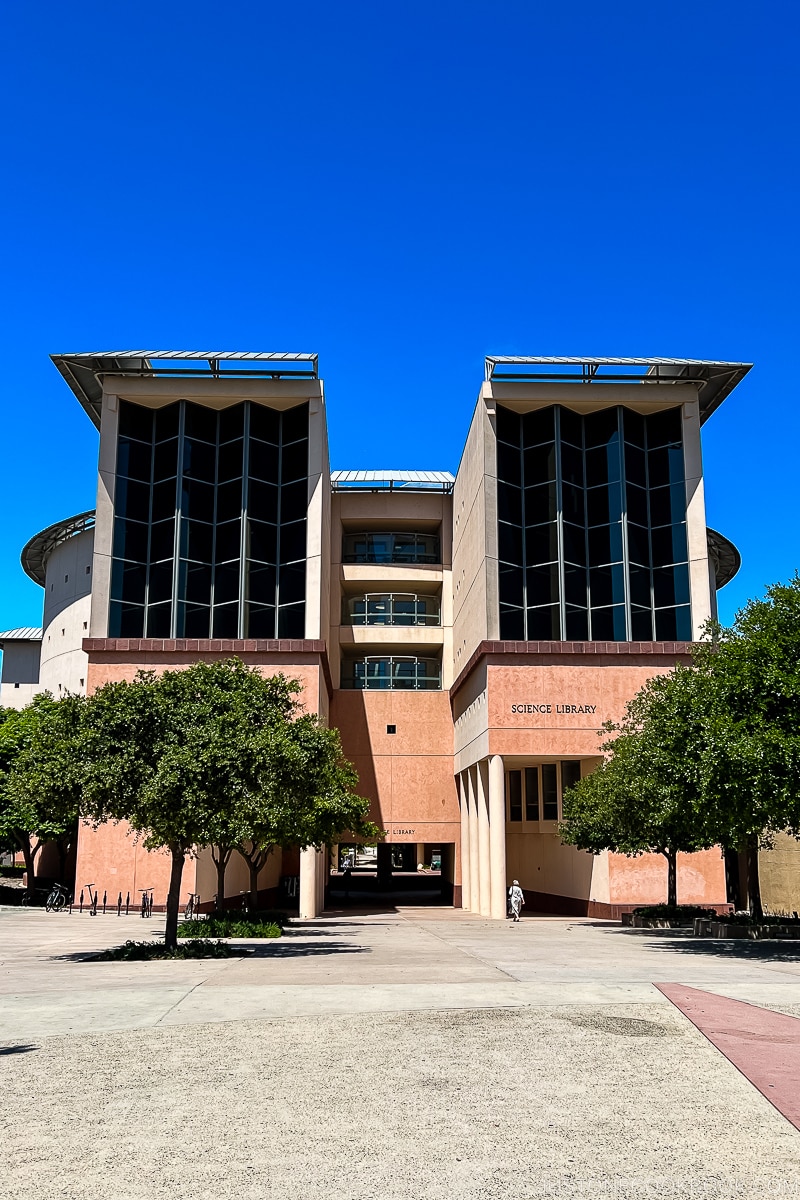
pixel 23 1048
pixel 677 942
pixel 284 948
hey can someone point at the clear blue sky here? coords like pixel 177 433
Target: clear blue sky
pixel 403 188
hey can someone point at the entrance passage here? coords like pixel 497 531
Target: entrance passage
pixel 416 873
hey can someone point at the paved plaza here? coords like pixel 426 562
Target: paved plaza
pixel 419 1053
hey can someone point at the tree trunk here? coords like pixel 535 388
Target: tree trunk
pixel 221 860
pixel 254 869
pixel 174 898
pixel 219 903
pixel 753 879
pixel 672 877
pixel 29 853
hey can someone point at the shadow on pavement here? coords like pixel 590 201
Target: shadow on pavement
pixel 21 1049
pixel 677 941
pixel 285 949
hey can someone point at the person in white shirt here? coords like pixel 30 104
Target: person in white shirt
pixel 516 900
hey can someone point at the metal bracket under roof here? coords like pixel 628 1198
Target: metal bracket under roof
pixel 84 372
pixel 715 380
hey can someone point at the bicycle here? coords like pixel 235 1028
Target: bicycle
pixel 147 902
pixel 192 906
pixel 58 898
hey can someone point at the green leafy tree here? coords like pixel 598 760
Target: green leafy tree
pixel 751 751
pixel 190 759
pixel 647 796
pixel 40 776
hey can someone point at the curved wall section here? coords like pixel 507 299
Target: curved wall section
pixel 67 607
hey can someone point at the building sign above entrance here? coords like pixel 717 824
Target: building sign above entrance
pixel 554 708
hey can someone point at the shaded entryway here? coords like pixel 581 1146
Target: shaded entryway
pixel 389 874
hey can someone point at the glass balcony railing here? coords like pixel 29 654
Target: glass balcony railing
pixel 392 608
pixel 397 673
pixel 391 548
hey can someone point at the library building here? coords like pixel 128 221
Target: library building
pixel 468 634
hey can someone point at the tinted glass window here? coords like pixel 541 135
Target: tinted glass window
pixel 531 794
pixel 231 423
pixel 264 423
pixel 168 422
pixel 514 779
pixel 135 421
pixel 550 791
pixel 200 423
pixel 294 424
pixel 134 459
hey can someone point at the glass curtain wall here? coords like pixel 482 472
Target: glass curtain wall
pixel 592 526
pixel 210 522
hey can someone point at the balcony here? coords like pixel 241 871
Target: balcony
pixel 410 548
pixel 396 673
pixel 391 608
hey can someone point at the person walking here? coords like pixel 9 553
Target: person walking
pixel 516 900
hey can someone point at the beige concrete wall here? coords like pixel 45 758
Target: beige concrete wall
pixel 318 527
pixel 779 872
pixel 700 567
pixel 475 612
pixel 20 677
pixel 67 615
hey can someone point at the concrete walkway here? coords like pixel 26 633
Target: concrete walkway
pixel 418 1055
pixel 411 959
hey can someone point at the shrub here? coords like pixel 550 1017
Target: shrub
pixel 674 912
pixel 145 951
pixel 234 924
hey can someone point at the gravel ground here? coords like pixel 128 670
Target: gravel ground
pixel 624 1101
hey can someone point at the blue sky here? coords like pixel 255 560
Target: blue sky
pixel 403 188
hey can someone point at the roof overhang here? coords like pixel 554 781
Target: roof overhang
pixel 714 380
pixel 36 552
pixel 85 372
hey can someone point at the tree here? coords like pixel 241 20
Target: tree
pixel 40 776
pixel 647 796
pixel 193 758
pixel 751 755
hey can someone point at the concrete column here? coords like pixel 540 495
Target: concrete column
pixel 484 859
pixel 474 897
pixel 465 863
pixel 497 836
pixel 420 854
pixel 310 898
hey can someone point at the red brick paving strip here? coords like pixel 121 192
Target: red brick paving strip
pixel 763 1045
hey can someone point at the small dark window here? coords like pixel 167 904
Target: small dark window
pixel 515 795
pixel 531 794
pixel 66 579
pixel 389 728
pixel 550 792
pixel 16 685
pixel 570 775
pixel 88 570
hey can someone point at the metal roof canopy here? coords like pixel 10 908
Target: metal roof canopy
pixel 36 552
pixel 24 634
pixel 391 480
pixel 84 372
pixel 715 380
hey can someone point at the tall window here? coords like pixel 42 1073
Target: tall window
pixel 592 526
pixel 535 791
pixel 210 522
